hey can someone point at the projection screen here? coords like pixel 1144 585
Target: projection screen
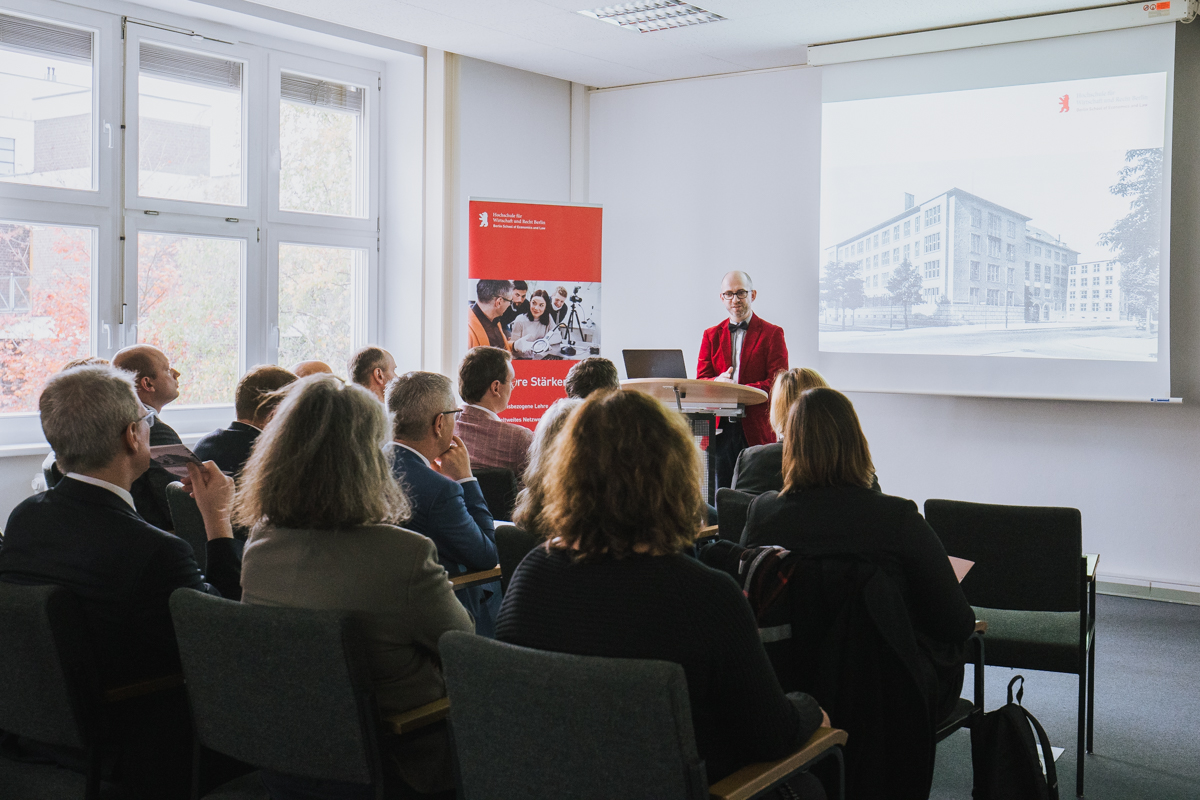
pixel 995 221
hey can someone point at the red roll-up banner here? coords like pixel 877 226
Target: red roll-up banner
pixel 551 253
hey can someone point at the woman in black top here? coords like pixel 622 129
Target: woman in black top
pixel 827 508
pixel 621 508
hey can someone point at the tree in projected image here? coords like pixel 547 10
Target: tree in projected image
pixel 842 286
pixel 904 287
pixel 315 291
pixel 1136 237
pixel 48 324
pixel 188 308
pixel 317 150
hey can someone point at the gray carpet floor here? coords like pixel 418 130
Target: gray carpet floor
pixel 1147 728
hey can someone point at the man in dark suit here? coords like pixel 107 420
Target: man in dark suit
pixel 743 349
pixel 230 447
pixel 433 466
pixel 85 535
pixel 157 384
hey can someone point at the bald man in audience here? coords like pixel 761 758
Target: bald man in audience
pixel 157 385
pixel 302 369
pixel 372 368
pixel 230 447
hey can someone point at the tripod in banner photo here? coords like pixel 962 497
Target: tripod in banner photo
pixel 573 323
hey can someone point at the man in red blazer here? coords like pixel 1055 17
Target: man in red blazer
pixel 743 349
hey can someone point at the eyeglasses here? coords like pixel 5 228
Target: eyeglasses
pixel 507 300
pixel 150 416
pixel 740 294
pixel 444 413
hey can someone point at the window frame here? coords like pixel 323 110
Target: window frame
pixel 359 76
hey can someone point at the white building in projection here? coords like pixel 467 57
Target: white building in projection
pixel 1094 291
pixel 973 256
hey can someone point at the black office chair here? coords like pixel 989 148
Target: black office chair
pixel 530 724
pixel 732 508
pixel 499 487
pixel 1034 586
pixel 285 689
pixel 189 525
pixel 512 545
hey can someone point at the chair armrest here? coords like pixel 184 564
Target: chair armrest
pixel 418 717
pixel 707 531
pixel 1092 560
pixel 981 626
pixel 130 690
pixel 475 578
pixel 750 780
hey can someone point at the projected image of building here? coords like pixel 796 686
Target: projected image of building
pixel 1094 291
pixel 976 260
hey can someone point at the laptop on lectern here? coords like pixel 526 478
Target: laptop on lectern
pixel 654 364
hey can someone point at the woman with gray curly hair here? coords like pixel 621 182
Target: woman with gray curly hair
pixel 323 510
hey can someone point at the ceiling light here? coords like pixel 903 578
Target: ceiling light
pixel 653 15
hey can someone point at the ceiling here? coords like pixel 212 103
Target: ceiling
pixel 549 37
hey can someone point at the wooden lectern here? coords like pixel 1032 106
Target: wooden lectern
pixel 701 402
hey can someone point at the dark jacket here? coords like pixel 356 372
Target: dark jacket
pixel 229 448
pixel 760 469
pixel 88 540
pixel 455 516
pixel 150 490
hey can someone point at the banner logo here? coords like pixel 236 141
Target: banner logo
pixel 1064 105
pixel 483 219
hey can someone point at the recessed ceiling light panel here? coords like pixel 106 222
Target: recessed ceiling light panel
pixel 646 16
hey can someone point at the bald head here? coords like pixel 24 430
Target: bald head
pixel 744 277
pixel 737 294
pixel 302 369
pixel 156 380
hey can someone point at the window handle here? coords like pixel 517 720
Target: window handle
pixel 108 130
pixel 108 332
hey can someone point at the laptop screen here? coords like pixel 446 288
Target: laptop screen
pixel 654 364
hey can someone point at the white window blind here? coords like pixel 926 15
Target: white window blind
pixel 317 92
pixel 45 38
pixel 190 67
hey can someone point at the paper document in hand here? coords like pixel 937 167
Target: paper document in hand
pixel 173 458
pixel 961 567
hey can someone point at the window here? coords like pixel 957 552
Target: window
pixel 321 146
pixel 1010 252
pixel 1073 272
pixel 1108 293
pixel 875 282
pixel 876 262
pixel 1037 291
pixel 8 157
pixel 896 232
pixel 1072 295
pixel 1108 306
pixel 1008 301
pixel 1096 281
pixel 896 254
pixel 875 242
pixel 917 224
pixel 933 268
pixel 886 260
pixel 316 295
pixel 1056 255
pixel 1037 272
pixel 993 273
pixel 906 252
pixel 1028 248
pixel 1072 281
pixel 976 243
pixel 860 247
pixel 1026 270
pixel 974 270
pixel 976 218
pixel 930 294
pixel 1071 307
pixel 1108 280
pixel 887 239
pixel 1083 269
pixel 993 297
pixel 993 247
pixel 974 295
pixel 1012 275
pixel 907 228
pixel 993 224
pixel 1037 250
pixel 933 215
pixel 1095 306
pixel 1012 230
pixel 1109 267
pixel 933 242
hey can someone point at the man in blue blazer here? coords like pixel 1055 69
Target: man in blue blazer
pixel 86 536
pixel 433 466
pixel 230 447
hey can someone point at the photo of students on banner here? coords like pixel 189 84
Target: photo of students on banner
pixel 535 320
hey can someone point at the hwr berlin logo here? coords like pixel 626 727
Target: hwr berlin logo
pixel 1064 104
pixel 483 220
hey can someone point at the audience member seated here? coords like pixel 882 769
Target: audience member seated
pixel 85 535
pixel 434 467
pixel 157 384
pixel 485 382
pixel 230 448
pixel 302 369
pixel 533 496
pixel 49 468
pixel 590 374
pixel 827 508
pixel 621 507
pixel 373 369
pixel 760 468
pixel 322 507
pixel 534 325
pixel 492 299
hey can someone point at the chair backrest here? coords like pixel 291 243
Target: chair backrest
pixel 50 681
pixel 512 545
pixel 283 689
pixel 732 508
pixel 533 724
pixel 1027 558
pixel 499 487
pixel 189 525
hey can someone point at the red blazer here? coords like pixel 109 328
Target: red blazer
pixel 764 353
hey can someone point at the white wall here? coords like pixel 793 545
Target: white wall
pixel 698 177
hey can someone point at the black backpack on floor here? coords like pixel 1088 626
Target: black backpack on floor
pixel 1005 754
